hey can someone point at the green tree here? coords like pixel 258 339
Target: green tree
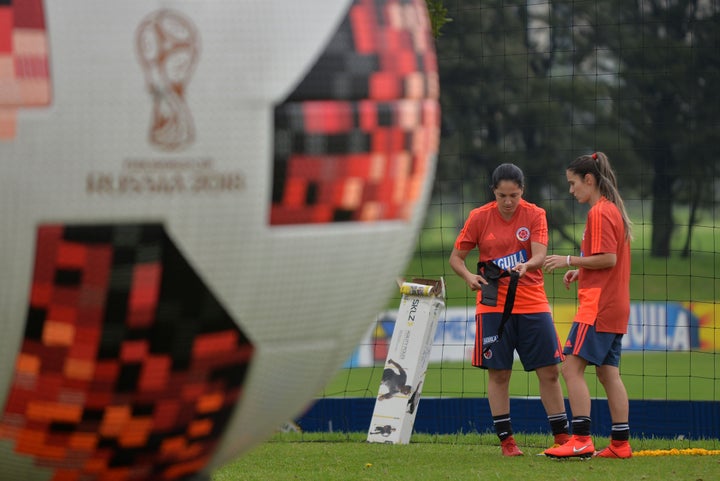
pixel 637 79
pixel 438 16
pixel 514 89
pixel 666 101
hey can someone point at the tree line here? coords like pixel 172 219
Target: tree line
pixel 540 82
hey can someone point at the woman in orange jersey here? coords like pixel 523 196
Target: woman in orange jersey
pixel 511 235
pixel 602 271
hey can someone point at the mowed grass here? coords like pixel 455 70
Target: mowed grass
pixel 647 375
pixel 463 457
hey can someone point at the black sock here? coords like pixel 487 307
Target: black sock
pixel 581 426
pixel 559 424
pixel 503 426
pixel 620 432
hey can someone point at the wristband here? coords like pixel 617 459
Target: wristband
pixel 568 261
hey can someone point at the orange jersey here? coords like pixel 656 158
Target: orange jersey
pixel 507 243
pixel 604 294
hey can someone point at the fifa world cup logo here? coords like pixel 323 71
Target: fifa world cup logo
pixel 167 47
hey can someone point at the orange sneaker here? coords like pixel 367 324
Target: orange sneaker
pixel 509 447
pixel 575 447
pixel 617 450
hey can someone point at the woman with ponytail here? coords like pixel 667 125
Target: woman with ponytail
pixel 602 271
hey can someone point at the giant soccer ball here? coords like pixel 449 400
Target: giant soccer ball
pixel 203 205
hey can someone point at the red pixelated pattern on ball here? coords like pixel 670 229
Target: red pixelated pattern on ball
pixel 24 72
pixel 129 368
pixel 354 140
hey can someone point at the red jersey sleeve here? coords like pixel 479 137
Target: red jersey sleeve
pixel 540 228
pixel 469 235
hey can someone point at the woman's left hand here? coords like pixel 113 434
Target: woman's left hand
pixel 520 268
pixel 554 262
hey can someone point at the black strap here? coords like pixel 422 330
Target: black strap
pixel 507 310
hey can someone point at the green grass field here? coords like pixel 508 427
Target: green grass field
pixel 467 457
pixel 647 375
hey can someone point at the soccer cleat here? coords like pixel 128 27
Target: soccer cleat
pixel 575 447
pixel 617 450
pixel 509 447
pixel 560 439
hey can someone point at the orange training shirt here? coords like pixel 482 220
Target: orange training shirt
pixel 507 243
pixel 604 294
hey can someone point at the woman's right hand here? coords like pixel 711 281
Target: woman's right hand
pixel 475 282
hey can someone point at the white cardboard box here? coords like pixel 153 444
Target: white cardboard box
pixel 398 397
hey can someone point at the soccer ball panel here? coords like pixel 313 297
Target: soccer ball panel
pixel 281 151
pixel 128 362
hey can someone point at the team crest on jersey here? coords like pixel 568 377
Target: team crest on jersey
pixel 523 234
pixel 487 354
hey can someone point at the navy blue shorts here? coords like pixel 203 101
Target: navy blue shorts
pixel 533 336
pixel 597 348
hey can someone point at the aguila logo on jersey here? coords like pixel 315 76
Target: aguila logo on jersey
pixel 511 260
pixel 523 234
